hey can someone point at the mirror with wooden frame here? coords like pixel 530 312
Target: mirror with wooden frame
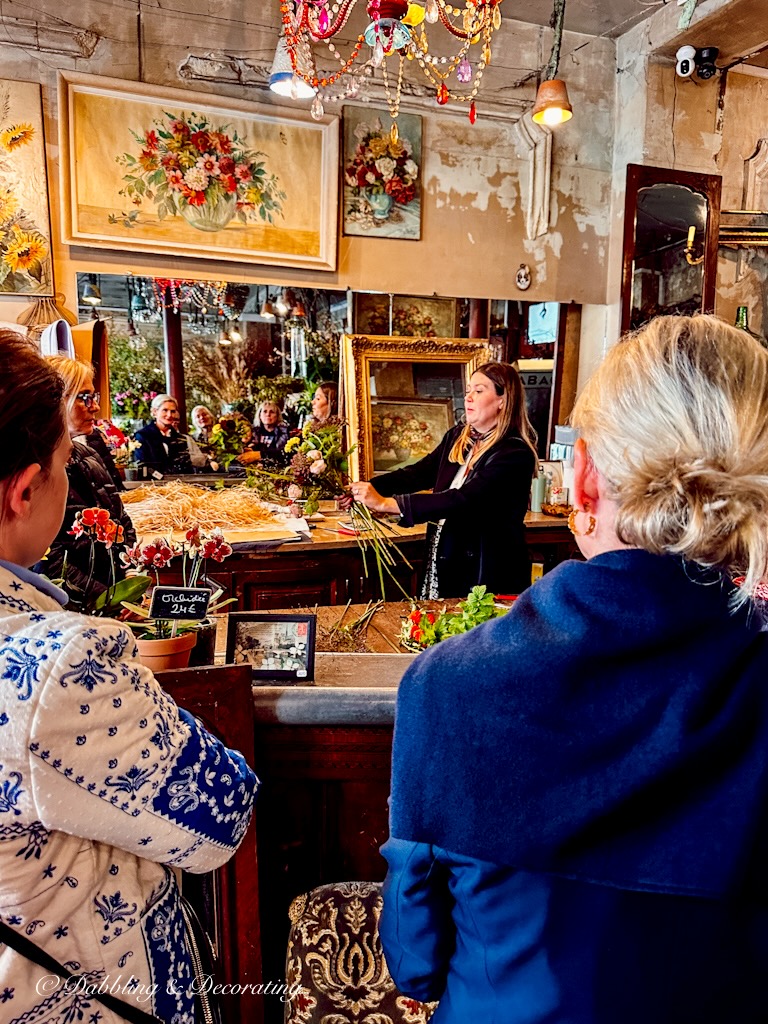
pixel 671 221
pixel 402 394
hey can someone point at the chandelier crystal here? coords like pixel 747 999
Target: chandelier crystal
pixel 396 29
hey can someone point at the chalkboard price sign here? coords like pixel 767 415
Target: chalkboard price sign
pixel 179 603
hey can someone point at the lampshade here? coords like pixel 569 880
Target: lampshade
pixel 224 338
pixel 91 294
pixel 234 333
pixel 552 105
pixel 267 310
pixel 282 79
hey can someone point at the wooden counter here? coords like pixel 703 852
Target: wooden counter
pixel 329 570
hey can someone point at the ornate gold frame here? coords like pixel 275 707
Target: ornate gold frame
pixel 358 351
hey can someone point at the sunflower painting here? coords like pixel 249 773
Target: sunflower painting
pixel 25 229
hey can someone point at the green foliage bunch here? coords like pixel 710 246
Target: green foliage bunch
pixel 423 629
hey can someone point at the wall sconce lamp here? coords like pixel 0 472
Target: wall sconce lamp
pixel 234 332
pixel 552 105
pixel 689 250
pixel 224 338
pixel 267 311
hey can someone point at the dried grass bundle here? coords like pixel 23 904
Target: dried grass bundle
pixel 177 506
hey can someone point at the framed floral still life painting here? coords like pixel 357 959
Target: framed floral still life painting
pixel 405 430
pixel 411 316
pixel 402 394
pixel 25 227
pixel 382 174
pixel 165 170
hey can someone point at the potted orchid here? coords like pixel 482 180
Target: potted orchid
pixel 97 526
pixel 164 643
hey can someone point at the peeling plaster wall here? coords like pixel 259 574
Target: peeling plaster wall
pixel 472 220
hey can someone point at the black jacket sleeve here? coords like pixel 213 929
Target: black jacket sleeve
pixel 421 476
pixel 496 478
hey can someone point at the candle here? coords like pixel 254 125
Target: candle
pixel 691 234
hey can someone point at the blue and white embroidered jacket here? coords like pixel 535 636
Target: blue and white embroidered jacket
pixel 104 783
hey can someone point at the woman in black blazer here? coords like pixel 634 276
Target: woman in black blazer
pixel 480 475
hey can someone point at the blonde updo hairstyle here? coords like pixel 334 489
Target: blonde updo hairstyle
pixel 676 421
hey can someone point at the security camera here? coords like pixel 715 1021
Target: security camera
pixel 685 58
pixel 705 61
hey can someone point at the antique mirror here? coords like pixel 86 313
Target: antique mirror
pixel 671 221
pixel 402 394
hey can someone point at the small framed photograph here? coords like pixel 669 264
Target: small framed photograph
pixel 276 646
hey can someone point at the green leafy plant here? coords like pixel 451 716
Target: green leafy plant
pixel 423 628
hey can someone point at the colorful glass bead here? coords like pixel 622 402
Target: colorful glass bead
pixel 464 71
pixel 442 94
pixel 472 112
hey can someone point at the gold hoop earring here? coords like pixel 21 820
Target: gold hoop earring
pixel 572 523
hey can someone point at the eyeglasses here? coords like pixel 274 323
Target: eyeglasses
pixel 88 398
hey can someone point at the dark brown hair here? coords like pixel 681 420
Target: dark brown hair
pixel 32 418
pixel 513 416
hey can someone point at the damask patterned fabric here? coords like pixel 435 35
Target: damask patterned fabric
pixel 335 966
pixel 104 784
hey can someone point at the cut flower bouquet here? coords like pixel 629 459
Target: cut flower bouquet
pixel 317 470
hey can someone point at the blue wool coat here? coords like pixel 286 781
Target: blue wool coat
pixel 580 806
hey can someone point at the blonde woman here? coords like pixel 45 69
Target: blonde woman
pixel 579 803
pixel 480 475
pixel 90 486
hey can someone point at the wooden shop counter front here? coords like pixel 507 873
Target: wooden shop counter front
pixel 329 569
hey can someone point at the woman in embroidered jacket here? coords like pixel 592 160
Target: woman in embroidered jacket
pixel 579 805
pixel 480 477
pixel 104 782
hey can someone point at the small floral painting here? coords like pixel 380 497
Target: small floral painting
pixel 205 174
pixel 25 230
pixel 382 174
pixel 405 430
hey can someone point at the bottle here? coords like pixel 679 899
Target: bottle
pixel 537 491
pixel 741 318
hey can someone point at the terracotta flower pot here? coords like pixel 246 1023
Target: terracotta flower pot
pixel 173 652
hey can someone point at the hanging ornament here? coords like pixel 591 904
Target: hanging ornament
pixel 378 54
pixel 497 17
pixel 432 11
pixel 486 54
pixel 394 135
pixel 317 110
pixel 442 94
pixel 322 21
pixel 472 112
pixel 464 71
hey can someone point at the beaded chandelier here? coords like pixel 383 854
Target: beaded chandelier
pixel 397 30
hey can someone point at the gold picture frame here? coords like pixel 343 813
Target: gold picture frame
pixel 169 171
pixel 394 364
